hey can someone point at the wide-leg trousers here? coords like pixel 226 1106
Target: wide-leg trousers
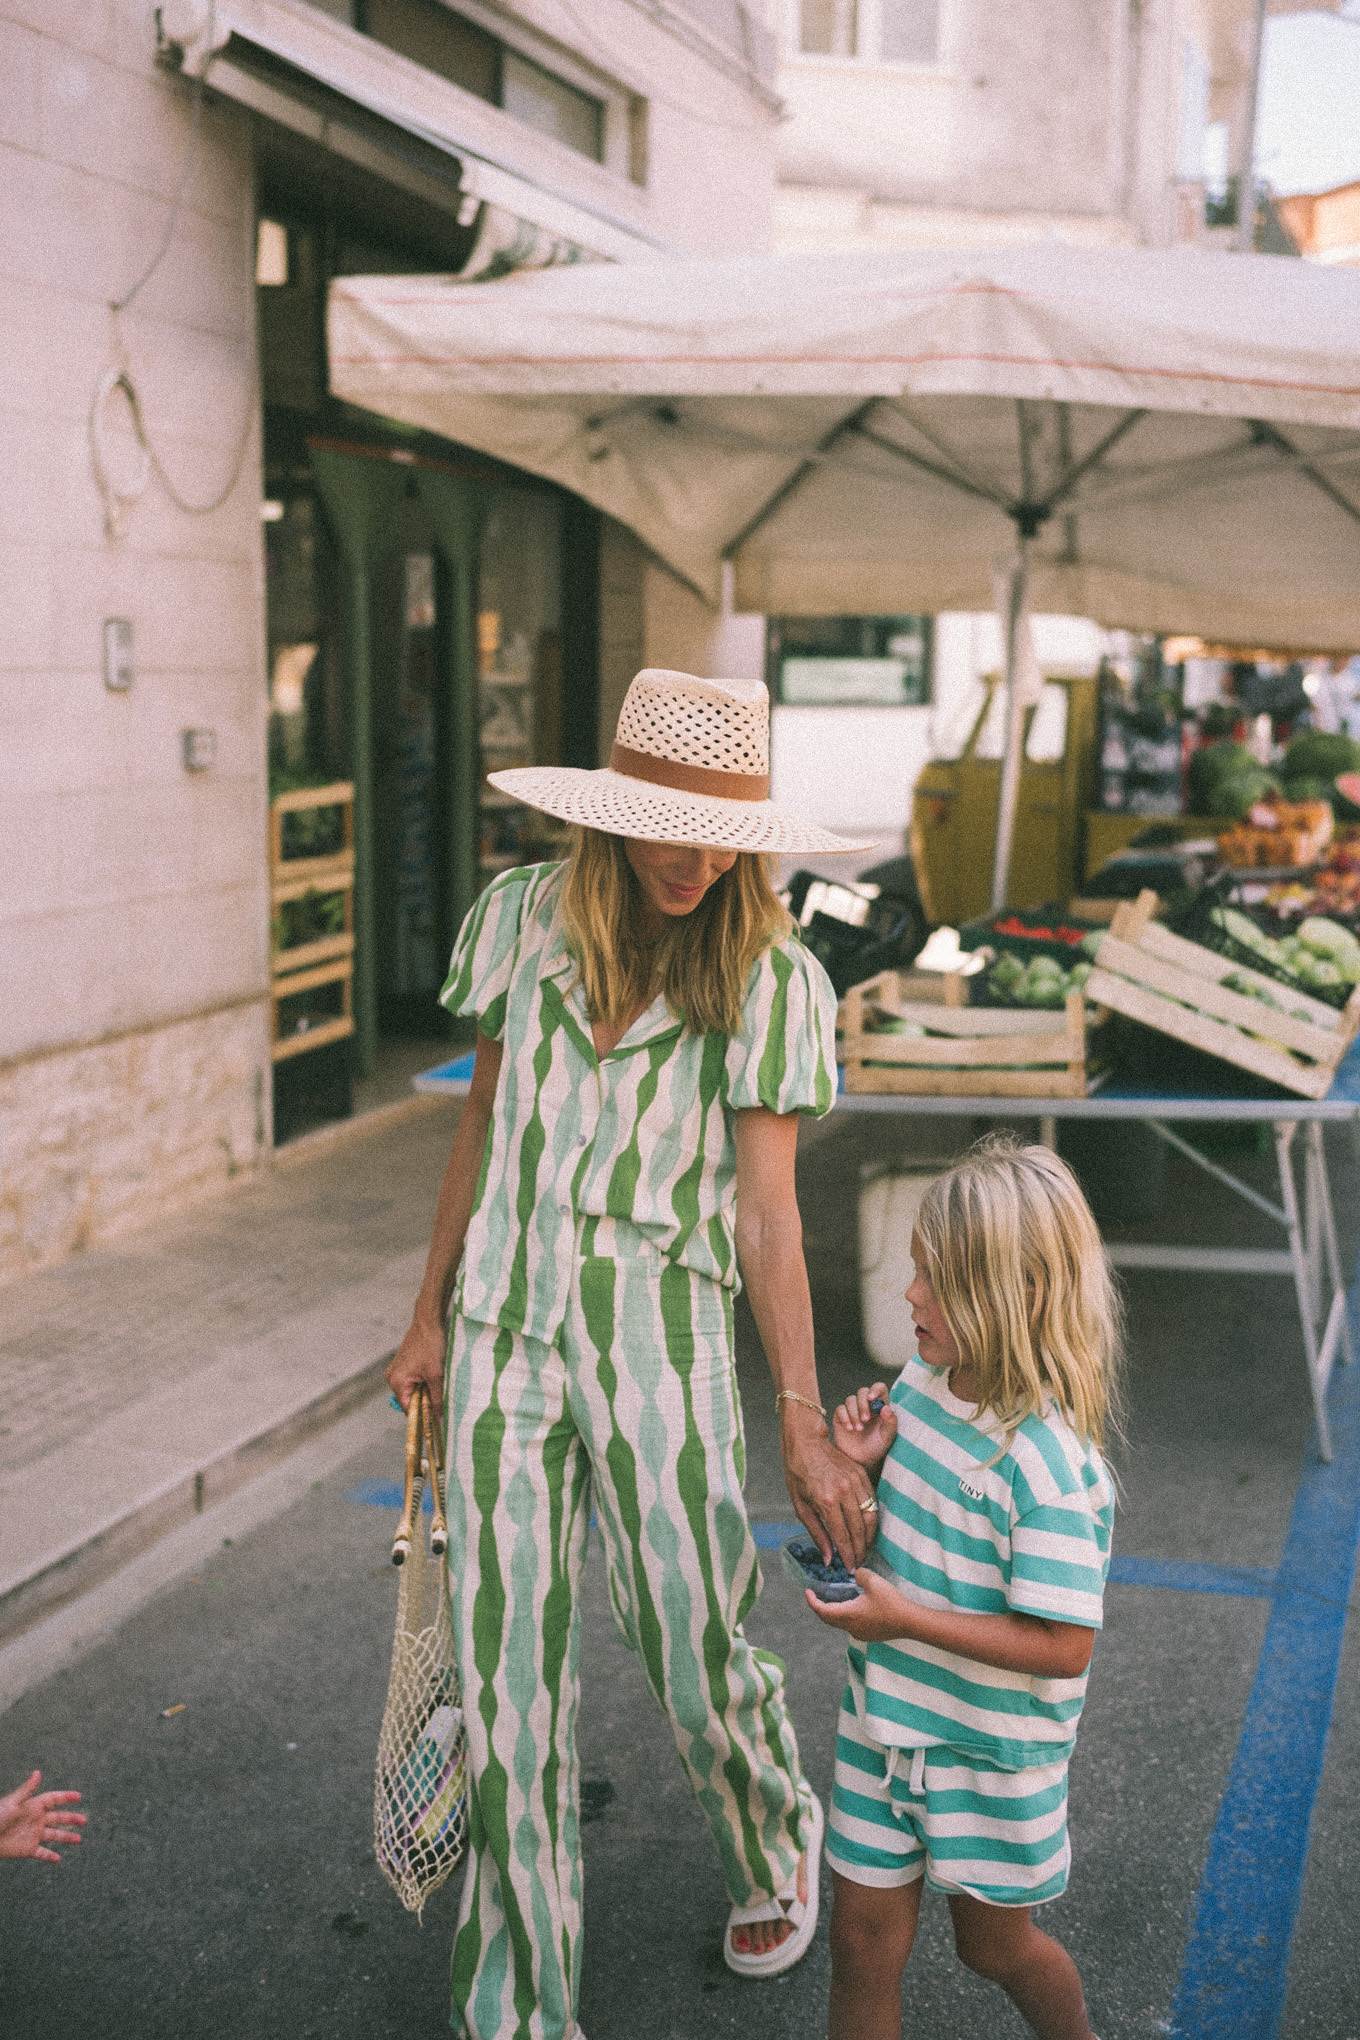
pixel 632 1412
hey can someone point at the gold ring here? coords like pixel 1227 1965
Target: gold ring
pixel 870 1504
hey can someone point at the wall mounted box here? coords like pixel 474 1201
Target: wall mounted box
pixel 200 750
pixel 118 654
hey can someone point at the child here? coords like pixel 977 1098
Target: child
pixel 973 1634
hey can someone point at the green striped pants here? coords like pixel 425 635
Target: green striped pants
pixel 634 1412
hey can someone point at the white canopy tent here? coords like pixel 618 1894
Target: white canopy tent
pixel 1166 441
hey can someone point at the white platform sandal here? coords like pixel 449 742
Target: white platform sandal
pixel 785 1905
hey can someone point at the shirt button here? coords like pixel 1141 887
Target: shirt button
pixel 565 1210
pixel 584 1141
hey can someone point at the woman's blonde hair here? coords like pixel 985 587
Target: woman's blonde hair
pixel 1010 1248
pixel 703 959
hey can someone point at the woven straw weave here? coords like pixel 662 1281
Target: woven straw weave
pixel 420 1791
pixel 722 725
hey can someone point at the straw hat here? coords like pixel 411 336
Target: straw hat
pixel 690 764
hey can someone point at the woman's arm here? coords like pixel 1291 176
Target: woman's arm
pixel 1010 1642
pixel 420 1356
pixel 825 1487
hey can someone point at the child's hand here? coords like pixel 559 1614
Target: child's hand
pixel 33 1823
pixel 880 1615
pixel 861 1433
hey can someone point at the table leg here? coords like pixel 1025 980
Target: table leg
pixel 1285 1131
pixel 1312 1223
pixel 1327 1221
pixel 1048 1131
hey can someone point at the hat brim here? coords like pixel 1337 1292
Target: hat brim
pixel 621 806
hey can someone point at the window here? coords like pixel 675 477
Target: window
pixel 828 28
pixel 432 35
pixel 875 31
pixel 850 661
pixel 549 104
pixel 909 31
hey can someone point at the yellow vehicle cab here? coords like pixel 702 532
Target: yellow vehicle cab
pixel 953 819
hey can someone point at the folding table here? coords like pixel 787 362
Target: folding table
pixel 1312 1256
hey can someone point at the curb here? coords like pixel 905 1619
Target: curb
pixel 105 1550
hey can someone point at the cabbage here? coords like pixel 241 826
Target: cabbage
pixel 1212 764
pixel 1321 754
pixel 1337 944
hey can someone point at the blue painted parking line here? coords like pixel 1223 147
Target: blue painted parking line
pixel 386 1494
pixel 1236 1967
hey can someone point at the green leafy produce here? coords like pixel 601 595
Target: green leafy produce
pixel 1321 755
pixel 894 1023
pixel 1042 982
pixel 1333 943
pixel 1212 764
pixel 1232 796
pixel 1309 789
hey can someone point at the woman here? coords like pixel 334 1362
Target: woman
pixel 649 1029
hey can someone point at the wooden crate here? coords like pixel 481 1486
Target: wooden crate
pixel 330 958
pixel 1160 979
pixel 973 1052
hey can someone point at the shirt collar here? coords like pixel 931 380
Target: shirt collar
pixel 558 969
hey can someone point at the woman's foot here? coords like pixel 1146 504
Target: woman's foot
pixel 770 1935
pixel 761 1937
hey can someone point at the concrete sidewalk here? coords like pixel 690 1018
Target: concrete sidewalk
pixel 144 1382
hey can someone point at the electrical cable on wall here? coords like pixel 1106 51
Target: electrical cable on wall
pixel 117 378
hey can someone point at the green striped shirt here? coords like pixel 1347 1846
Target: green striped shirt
pixel 1029 1532
pixel 639 1143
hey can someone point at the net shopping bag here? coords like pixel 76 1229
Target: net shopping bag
pixel 420 1791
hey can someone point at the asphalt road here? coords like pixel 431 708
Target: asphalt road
pixel 227 1885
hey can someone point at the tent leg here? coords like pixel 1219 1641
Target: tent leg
pixel 1008 800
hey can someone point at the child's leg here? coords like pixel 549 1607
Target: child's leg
pixel 1002 1943
pixel 872 1929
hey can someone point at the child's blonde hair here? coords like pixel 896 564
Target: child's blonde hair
pixel 1013 1255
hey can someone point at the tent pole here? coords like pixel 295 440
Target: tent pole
pixel 1246 176
pixel 1008 799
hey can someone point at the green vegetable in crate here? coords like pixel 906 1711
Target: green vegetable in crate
pixel 1321 754
pixel 893 1023
pixel 1233 798
pixel 1328 939
pixel 1211 765
pixel 1042 982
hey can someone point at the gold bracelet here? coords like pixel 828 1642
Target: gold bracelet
pixel 788 1395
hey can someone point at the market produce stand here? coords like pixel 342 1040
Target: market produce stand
pixel 1311 1257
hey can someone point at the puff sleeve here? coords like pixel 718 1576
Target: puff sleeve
pixel 483 960
pixel 783 1056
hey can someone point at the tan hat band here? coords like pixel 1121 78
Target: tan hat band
pixel 688 778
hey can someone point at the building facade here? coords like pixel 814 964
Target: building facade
pixel 220 583
pixel 955 122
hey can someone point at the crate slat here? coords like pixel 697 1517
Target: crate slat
pixel 338 1029
pixel 972 1052
pixel 302 954
pixel 1175 987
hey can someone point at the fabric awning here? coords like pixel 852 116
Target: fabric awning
pixel 314 75
pixel 1178 432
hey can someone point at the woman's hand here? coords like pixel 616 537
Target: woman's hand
pixel 830 1493
pixel 419 1357
pixel 863 1434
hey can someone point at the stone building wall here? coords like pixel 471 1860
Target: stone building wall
pixel 133 908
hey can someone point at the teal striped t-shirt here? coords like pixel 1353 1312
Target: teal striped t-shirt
pixel 958 1527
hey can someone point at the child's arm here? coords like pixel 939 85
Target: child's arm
pixel 1010 1642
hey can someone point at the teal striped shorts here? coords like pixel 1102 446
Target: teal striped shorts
pixel 970 1829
